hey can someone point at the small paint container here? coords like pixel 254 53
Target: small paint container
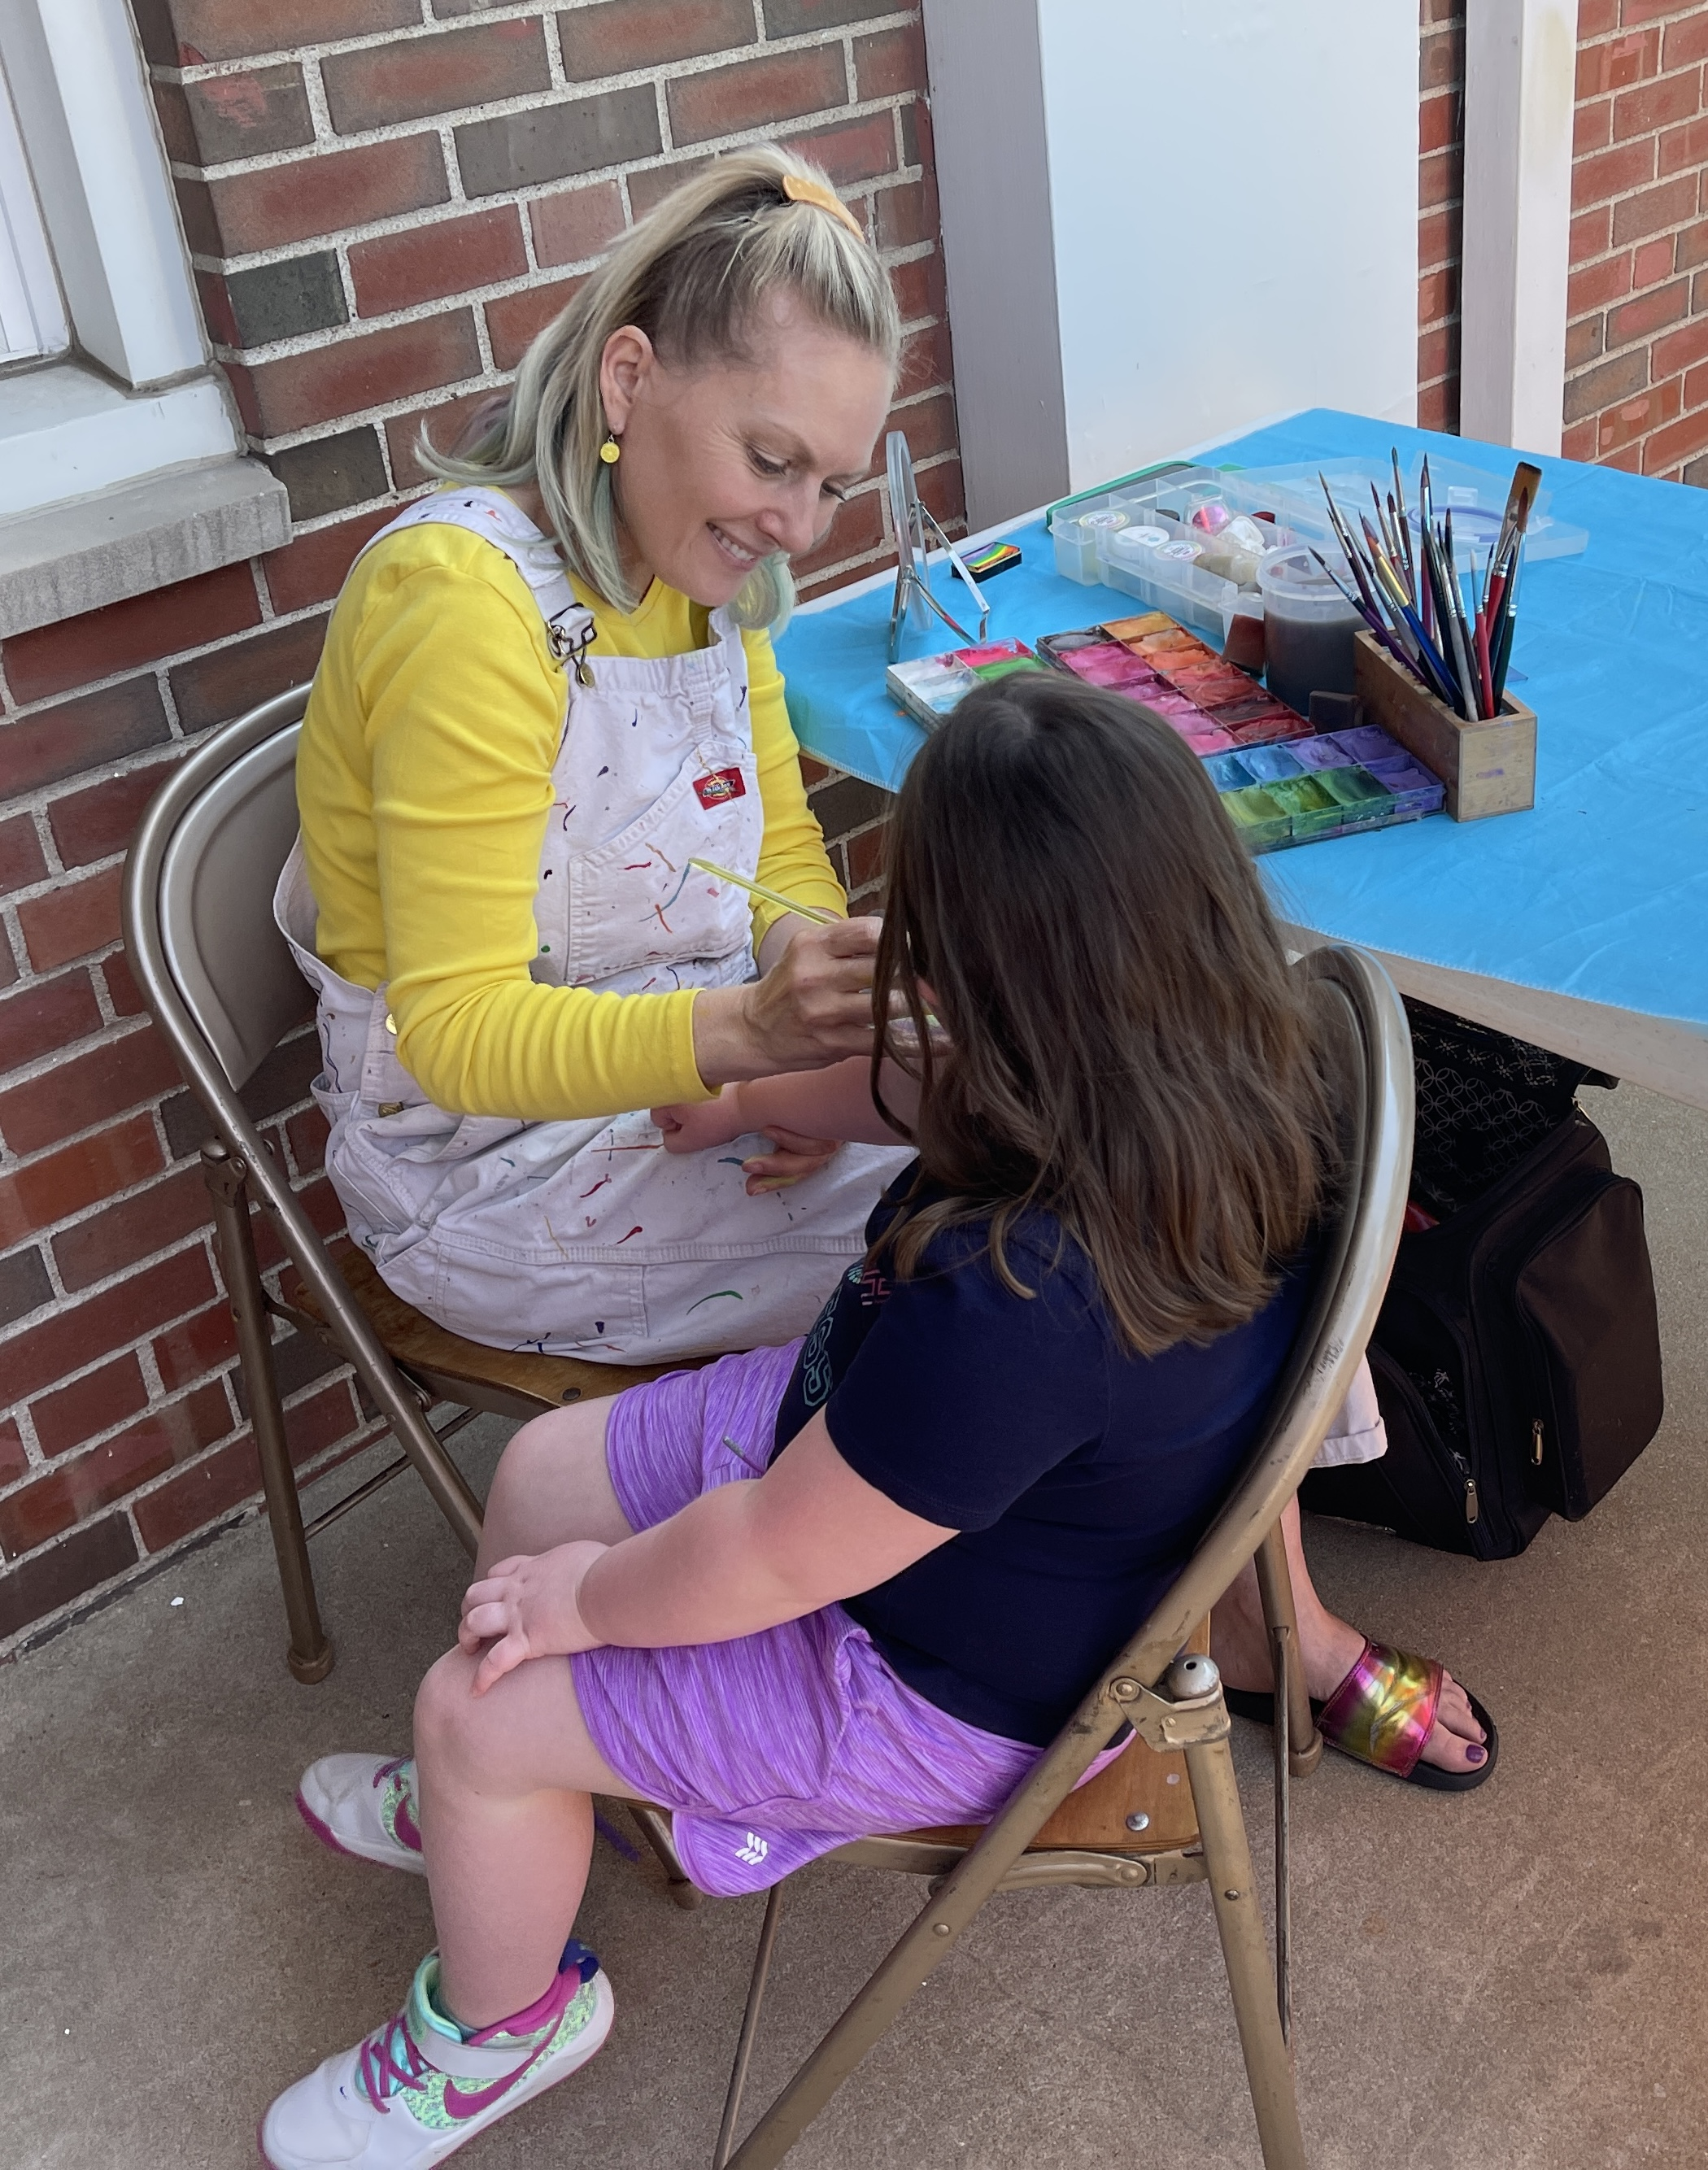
pixel 1231 714
pixel 1314 810
pixel 1271 764
pixel 1219 689
pixel 1308 627
pixel 1275 723
pixel 1211 741
pixel 1416 791
pixel 1145 626
pixel 1322 751
pixel 1367 743
pixel 1368 804
pixel 995 651
pixel 932 685
pixel 1228 772
pixel 1263 824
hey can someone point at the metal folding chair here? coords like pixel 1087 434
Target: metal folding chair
pixel 224 989
pixel 1168 1692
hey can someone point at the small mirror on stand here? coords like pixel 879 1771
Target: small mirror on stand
pixel 914 600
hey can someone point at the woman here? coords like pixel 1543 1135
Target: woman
pixel 547 691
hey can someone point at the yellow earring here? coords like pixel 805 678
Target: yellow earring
pixel 611 452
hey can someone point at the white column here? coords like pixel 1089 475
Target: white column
pixel 999 252
pixel 1520 68
pixel 1167 221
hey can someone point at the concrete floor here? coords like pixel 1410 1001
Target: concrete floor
pixel 1510 1979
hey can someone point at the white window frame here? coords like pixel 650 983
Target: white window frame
pixel 32 316
pixel 130 423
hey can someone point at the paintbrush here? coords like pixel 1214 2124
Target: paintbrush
pixel 1437 668
pixel 1435 587
pixel 1521 499
pixel 1405 523
pixel 1465 672
pixel 812 911
pixel 1510 618
pixel 1426 515
pixel 1402 562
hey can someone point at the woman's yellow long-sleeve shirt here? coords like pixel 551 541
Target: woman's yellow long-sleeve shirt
pixel 423 781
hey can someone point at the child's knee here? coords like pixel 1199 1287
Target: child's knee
pixel 447 1712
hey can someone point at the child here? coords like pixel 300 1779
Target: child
pixel 857 1583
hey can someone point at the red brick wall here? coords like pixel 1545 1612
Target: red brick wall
pixel 1440 209
pixel 384 200
pixel 1637 342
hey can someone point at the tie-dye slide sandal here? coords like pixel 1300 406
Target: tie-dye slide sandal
pixel 1381 1714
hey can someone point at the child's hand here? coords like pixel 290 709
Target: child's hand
pixel 692 1126
pixel 791 1156
pixel 526 1608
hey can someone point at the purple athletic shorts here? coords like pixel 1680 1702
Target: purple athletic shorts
pixel 772 1749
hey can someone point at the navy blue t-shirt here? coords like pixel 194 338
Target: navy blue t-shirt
pixel 1080 1478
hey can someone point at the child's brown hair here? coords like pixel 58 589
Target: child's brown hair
pixel 1128 1050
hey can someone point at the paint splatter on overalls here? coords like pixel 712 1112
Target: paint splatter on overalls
pixel 586 1239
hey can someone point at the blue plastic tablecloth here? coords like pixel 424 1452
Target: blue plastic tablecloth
pixel 1599 893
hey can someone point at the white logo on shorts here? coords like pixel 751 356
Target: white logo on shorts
pixel 753 1851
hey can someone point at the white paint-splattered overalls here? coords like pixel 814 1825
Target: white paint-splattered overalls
pixel 586 1239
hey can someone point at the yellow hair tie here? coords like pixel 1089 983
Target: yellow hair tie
pixel 814 192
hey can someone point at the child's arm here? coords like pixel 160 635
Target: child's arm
pixel 738 1560
pixel 834 1102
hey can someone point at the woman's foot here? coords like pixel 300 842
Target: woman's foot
pixel 1330 1647
pixel 420 2086
pixel 364 1805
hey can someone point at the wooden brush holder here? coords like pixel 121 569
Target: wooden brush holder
pixel 1488 768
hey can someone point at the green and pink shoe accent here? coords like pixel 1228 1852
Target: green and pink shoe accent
pixel 364 1806
pixel 412 2092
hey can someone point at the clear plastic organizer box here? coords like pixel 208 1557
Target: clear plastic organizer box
pixel 1149 539
pixel 1476 498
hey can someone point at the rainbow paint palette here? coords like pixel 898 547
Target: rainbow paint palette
pixel 1281 783
pixel 930 687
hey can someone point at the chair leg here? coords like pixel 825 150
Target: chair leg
pixel 1275 1586
pixel 1228 1860
pixel 310 1654
pixel 750 2027
pixel 654 1828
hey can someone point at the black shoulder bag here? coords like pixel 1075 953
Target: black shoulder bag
pixel 1517 1358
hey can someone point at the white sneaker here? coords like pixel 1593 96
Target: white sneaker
pixel 364 1805
pixel 413 2092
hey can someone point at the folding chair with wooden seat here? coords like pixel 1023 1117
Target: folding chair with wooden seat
pixel 1129 1827
pixel 224 989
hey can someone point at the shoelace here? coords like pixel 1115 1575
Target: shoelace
pixel 380 2073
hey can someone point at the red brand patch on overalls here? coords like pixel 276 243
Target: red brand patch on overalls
pixel 721 784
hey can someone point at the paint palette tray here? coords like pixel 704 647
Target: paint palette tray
pixel 930 687
pixel 1153 659
pixel 1331 783
pixel 1281 783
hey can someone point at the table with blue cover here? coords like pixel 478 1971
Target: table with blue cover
pixel 1582 925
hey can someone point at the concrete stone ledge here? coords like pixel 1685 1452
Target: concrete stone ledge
pixel 64 559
